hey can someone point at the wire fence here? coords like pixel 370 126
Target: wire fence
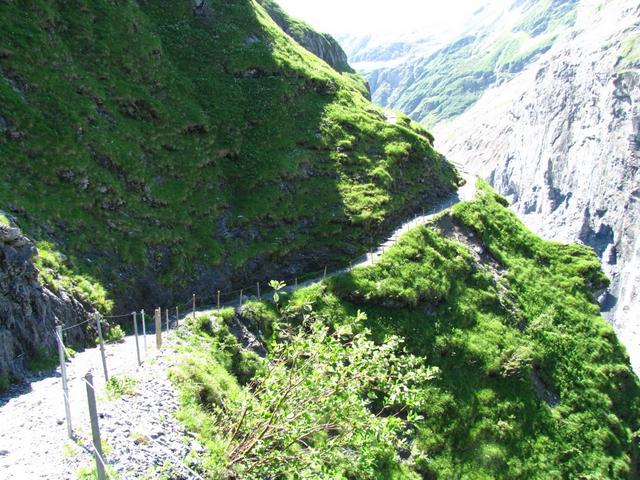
pixel 94 444
pixel 156 324
pixel 197 303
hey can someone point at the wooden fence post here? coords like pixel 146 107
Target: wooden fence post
pixel 324 276
pixel 95 428
pixel 104 358
pixel 166 316
pixel 158 328
pixel 135 332
pixel 218 300
pixel 296 284
pixel 144 331
pixel 194 306
pixel 177 317
pixel 65 386
pixel 240 298
pixel 259 297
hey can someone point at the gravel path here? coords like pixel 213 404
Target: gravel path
pixel 142 438
pixel 138 430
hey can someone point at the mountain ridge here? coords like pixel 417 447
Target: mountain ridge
pixel 177 166
pixel 439 76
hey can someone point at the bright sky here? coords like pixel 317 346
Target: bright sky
pixel 380 16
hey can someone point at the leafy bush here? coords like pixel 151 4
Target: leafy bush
pixel 311 405
pixel 114 334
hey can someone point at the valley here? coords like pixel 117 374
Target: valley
pixel 550 121
pixel 392 256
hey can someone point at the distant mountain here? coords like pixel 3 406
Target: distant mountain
pixel 438 75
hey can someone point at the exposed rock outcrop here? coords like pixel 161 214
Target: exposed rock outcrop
pixel 202 10
pixel 562 142
pixel 29 310
pixel 322 45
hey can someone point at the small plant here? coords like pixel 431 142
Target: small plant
pixel 69 352
pixel 115 334
pixel 140 438
pixel 166 471
pixel 42 361
pixel 5 381
pixel 90 473
pixel 119 386
pixel 278 289
pixel 69 450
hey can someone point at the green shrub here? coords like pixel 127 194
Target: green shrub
pixel 244 365
pixel 308 401
pixel 114 334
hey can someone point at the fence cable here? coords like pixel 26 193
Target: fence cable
pixel 77 325
pixel 117 316
pixel 299 281
pixel 99 457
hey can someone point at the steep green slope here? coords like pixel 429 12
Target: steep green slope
pixel 532 381
pixel 170 146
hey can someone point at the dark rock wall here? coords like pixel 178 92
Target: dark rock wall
pixel 29 311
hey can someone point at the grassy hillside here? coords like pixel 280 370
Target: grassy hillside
pixel 167 146
pixel 496 364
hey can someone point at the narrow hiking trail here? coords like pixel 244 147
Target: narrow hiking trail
pixel 142 437
pixel 139 434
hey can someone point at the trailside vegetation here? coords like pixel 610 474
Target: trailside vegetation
pixel 473 348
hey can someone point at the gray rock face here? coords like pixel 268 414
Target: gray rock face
pixel 562 141
pixel 202 10
pixel 29 311
pixel 321 45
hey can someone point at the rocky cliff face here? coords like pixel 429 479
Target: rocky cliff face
pixel 321 45
pixel 29 310
pixel 562 141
